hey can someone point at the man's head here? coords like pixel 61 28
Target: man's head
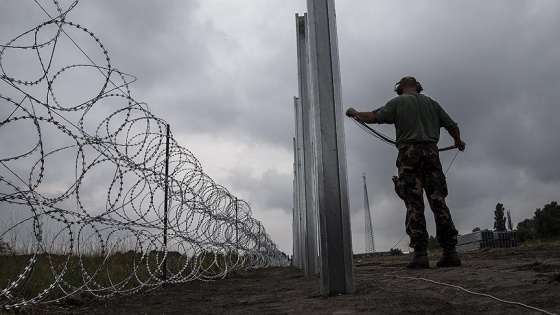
pixel 408 84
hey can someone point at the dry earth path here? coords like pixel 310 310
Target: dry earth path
pixel 524 280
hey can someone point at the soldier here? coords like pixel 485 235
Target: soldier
pixel 418 119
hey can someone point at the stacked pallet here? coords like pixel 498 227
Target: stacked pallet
pixel 486 239
pixel 505 239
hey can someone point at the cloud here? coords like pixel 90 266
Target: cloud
pixel 224 73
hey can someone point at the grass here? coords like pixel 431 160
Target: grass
pixel 57 277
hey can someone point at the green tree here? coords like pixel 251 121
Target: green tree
pixel 499 218
pixel 547 221
pixel 526 230
pixel 5 248
pixel 395 252
pixel 476 229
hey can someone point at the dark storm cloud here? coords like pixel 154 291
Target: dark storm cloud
pixel 268 191
pixel 147 39
pixel 494 68
pixel 228 70
pixel 171 52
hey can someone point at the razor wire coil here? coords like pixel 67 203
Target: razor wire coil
pixel 72 220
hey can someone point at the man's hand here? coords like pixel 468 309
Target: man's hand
pixel 455 133
pixel 351 112
pixel 365 117
pixel 460 145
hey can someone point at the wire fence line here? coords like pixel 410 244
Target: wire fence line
pixel 82 181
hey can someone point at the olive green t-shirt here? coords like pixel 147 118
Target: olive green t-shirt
pixel 417 118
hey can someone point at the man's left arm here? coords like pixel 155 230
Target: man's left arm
pixel 455 133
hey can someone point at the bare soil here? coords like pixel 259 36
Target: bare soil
pixel 523 280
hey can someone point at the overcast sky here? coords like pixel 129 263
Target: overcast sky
pixel 223 74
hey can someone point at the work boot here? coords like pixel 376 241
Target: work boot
pixel 450 258
pixel 419 260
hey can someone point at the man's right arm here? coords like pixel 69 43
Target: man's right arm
pixel 366 117
pixel 455 133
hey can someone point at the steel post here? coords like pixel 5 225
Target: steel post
pixel 309 163
pixel 337 275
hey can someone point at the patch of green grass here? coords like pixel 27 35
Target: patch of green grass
pixel 53 277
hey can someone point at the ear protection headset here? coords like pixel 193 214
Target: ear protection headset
pixel 399 89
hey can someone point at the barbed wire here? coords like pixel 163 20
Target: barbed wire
pixel 82 181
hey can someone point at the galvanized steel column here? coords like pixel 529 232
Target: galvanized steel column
pixel 299 197
pixel 309 166
pixel 296 247
pixel 337 274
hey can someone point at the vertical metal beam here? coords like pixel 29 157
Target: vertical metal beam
pixel 259 245
pixel 296 248
pixel 300 186
pixel 296 254
pixel 309 184
pixel 236 225
pixel 166 200
pixel 337 274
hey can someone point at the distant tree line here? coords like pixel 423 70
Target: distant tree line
pixel 5 247
pixel 544 225
pixel 502 219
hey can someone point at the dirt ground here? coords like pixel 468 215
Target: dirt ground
pixel 523 280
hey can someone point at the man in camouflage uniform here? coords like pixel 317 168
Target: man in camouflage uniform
pixel 418 120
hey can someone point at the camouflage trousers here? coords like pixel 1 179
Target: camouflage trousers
pixel 420 170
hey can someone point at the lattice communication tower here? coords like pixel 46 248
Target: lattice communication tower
pixel 370 244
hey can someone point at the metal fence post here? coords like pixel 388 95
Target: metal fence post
pixel 309 179
pixel 337 274
pixel 166 203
